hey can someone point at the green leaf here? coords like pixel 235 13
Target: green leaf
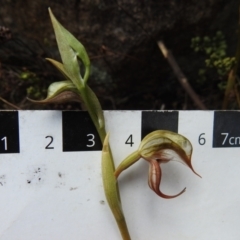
pixel 208 50
pixel 60 92
pixel 111 189
pixel 201 72
pixel 63 97
pixel 71 50
pixel 206 39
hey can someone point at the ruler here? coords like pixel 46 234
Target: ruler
pixel 51 186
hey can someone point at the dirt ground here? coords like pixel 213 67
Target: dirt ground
pixel 129 71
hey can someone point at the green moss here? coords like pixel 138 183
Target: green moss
pixel 216 59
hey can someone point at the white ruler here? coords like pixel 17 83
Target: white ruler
pixel 51 186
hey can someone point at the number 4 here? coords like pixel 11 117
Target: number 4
pixel 130 140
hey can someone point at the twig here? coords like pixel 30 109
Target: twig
pixel 181 77
pixel 237 95
pixel 10 104
pixel 233 73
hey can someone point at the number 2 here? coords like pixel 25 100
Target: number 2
pixel 48 146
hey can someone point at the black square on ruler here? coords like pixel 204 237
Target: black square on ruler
pixel 9 132
pixel 79 132
pixel 226 129
pixel 159 120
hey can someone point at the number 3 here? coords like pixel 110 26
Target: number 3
pixel 91 140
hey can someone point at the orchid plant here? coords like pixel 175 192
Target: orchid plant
pixel 156 147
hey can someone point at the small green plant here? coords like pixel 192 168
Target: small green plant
pixel 30 78
pixel 214 49
pixel 153 146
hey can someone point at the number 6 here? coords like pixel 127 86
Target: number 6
pixel 201 140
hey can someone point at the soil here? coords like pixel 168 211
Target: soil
pixel 129 71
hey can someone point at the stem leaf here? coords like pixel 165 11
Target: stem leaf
pixel 71 50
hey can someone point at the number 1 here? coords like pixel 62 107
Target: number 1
pixel 5 142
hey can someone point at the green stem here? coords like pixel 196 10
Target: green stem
pixel 90 108
pixel 111 189
pixel 70 49
pixel 127 162
pixel 110 184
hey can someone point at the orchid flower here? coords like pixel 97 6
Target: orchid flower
pixel 158 147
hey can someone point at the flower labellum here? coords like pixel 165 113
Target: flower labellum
pixel 158 147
